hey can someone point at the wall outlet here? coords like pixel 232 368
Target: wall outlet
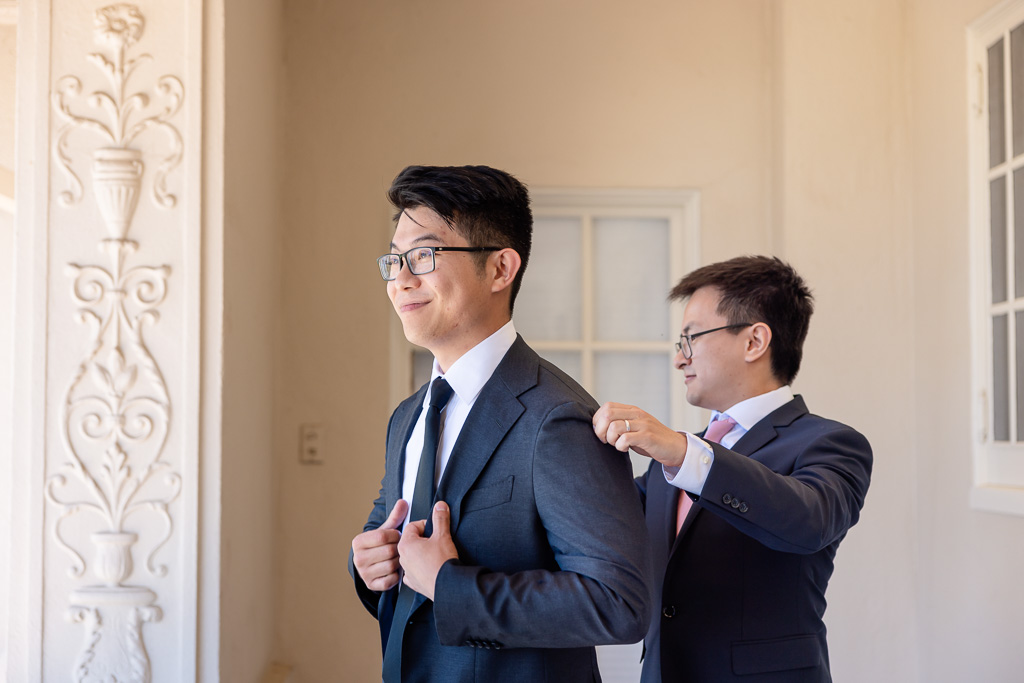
pixel 311 444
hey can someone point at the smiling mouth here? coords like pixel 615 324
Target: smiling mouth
pixel 412 306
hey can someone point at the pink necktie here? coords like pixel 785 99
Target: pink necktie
pixel 716 430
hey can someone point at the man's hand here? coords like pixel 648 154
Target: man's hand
pixel 375 552
pixel 646 436
pixel 422 557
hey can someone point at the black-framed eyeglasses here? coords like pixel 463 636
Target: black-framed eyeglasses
pixel 685 340
pixel 419 259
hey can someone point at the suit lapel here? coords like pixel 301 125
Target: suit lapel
pixel 760 435
pixel 496 409
pixel 395 461
pixel 662 503
pixel 765 431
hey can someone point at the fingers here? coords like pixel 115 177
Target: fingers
pixel 375 556
pixel 442 520
pixel 381 575
pixel 609 420
pixel 397 515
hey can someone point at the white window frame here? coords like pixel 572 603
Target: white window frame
pixel 998 468
pixel 681 208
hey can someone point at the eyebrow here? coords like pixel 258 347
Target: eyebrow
pixel 429 237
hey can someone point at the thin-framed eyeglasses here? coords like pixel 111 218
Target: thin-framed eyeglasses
pixel 685 340
pixel 419 259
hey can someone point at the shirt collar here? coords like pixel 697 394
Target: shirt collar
pixel 749 412
pixel 468 375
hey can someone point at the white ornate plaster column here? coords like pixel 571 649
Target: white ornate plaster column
pixel 107 472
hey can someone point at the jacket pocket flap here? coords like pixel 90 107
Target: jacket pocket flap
pixel 489 496
pixel 777 654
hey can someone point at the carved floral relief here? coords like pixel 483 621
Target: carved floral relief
pixel 116 415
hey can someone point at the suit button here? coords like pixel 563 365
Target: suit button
pixel 743 507
pixel 735 502
pixel 668 611
pixel 727 499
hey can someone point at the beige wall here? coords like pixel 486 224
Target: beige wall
pixel 587 94
pixel 606 94
pixel 253 61
pixel 844 217
pixel 968 586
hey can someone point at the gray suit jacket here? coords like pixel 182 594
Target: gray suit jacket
pixel 552 543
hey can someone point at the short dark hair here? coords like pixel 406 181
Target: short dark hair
pixel 760 289
pixel 490 208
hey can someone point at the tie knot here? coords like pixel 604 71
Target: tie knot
pixel 440 393
pixel 719 428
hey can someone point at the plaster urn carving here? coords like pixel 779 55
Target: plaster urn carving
pixel 116 178
pixel 113 556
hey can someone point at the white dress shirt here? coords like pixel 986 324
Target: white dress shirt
pixel 467 377
pixel 691 475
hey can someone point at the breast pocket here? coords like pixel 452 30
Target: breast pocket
pixel 489 495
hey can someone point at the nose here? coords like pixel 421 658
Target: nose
pixel 404 276
pixel 680 361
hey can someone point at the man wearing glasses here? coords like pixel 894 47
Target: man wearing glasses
pixel 744 522
pixel 490 555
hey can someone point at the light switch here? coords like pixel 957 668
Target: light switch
pixel 311 444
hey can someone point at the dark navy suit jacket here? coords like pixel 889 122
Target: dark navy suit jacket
pixel 743 593
pixel 550 533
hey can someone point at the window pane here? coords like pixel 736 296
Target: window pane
pixel 997 214
pixel 639 379
pixel 631 279
pixel 1000 379
pixel 549 305
pixel 996 106
pixel 570 362
pixel 1017 85
pixel 1018 232
pixel 1019 356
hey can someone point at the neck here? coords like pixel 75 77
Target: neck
pixel 448 354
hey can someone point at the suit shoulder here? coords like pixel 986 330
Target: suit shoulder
pixel 554 381
pixel 814 426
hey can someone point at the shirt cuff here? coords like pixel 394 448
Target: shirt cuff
pixel 691 475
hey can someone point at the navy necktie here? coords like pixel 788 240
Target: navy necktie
pixel 423 494
pixel 422 504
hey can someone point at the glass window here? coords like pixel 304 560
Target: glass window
pixel 996 58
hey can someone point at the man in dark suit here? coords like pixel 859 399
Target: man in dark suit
pixel 744 522
pixel 520 568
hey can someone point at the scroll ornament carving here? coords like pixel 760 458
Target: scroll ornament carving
pixel 117 413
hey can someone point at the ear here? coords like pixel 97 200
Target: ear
pixel 759 336
pixel 506 264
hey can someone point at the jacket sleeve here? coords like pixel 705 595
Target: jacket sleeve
pixel 593 522
pixel 797 499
